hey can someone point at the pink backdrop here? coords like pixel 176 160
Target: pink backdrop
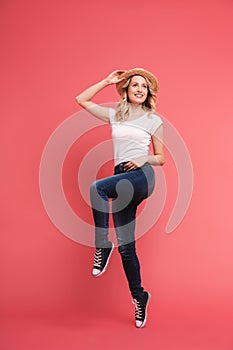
pixel 50 51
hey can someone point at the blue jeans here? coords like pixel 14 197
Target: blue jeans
pixel 128 190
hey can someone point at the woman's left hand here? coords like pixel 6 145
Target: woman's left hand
pixel 135 163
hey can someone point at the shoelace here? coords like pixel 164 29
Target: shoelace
pixel 98 257
pixel 138 309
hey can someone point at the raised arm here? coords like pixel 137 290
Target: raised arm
pixel 84 99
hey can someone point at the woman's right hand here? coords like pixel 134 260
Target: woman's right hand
pixel 114 77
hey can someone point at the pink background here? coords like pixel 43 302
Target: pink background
pixel 50 51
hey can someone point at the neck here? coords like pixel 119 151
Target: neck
pixel 135 109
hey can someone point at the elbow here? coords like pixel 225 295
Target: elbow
pixel 82 103
pixel 78 100
pixel 162 162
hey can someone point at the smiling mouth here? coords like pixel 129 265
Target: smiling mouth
pixel 139 95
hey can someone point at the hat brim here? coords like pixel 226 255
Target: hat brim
pixel 137 71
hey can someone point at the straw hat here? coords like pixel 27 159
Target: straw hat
pixel 137 71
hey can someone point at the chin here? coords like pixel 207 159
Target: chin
pixel 137 102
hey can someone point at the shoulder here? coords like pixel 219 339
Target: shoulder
pixel 112 113
pixel 154 121
pixel 155 117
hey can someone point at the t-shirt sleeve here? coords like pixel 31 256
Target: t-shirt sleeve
pixel 112 113
pixel 157 121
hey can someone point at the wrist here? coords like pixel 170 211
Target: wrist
pixel 106 82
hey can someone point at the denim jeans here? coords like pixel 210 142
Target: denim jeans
pixel 128 190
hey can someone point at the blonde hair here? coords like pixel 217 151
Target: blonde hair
pixel 149 105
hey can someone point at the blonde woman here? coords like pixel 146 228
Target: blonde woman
pixel 134 125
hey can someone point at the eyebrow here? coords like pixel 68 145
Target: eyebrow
pixel 136 82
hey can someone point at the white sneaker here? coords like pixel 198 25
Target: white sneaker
pixel 141 310
pixel 101 260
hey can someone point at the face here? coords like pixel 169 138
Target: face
pixel 137 90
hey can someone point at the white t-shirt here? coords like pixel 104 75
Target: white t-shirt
pixel 131 139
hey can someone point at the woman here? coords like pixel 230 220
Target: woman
pixel 134 125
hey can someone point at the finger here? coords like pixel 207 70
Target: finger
pixel 120 71
pixel 120 79
pixel 127 168
pixel 127 165
pixel 130 166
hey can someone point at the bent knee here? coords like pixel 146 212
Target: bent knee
pixel 94 189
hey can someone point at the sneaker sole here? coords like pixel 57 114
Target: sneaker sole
pixel 144 322
pixel 101 272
